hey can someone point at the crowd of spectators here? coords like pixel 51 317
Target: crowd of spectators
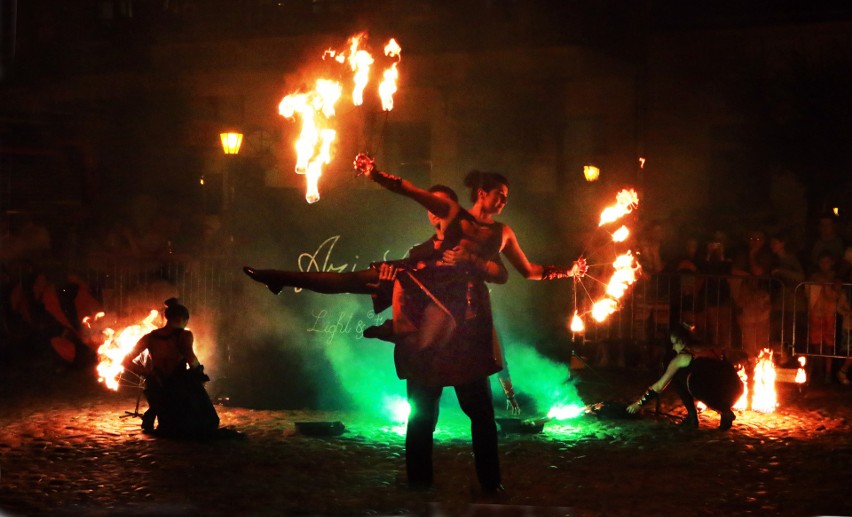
pixel 786 295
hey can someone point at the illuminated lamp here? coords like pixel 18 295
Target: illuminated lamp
pixel 231 142
pixel 591 173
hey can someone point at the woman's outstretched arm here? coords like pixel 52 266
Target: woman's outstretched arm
pixel 680 361
pixel 512 250
pixel 440 206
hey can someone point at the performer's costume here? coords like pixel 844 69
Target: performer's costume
pixel 459 298
pixel 176 395
pixel 714 382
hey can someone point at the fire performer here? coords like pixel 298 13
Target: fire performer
pixel 712 381
pixel 378 281
pixel 443 321
pixel 174 379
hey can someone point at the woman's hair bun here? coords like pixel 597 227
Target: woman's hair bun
pixel 174 309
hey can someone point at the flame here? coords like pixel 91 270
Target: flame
pixel 87 321
pixel 390 76
pixel 577 323
pixel 313 147
pixel 117 345
pixel 621 234
pixel 392 49
pixel 626 268
pixel 765 399
pixel 603 308
pixel 360 62
pixel 625 202
pixel 801 375
pixel 388 87
pixel 316 108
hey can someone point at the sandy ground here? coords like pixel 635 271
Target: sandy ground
pixel 67 449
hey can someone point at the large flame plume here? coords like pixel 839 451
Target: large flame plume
pixel 116 346
pixel 764 397
pixel 316 108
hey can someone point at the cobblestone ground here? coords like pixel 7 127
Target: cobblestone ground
pixel 65 448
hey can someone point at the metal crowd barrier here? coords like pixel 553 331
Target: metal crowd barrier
pixel 125 291
pixel 824 322
pixel 727 311
pixel 735 312
pixel 199 284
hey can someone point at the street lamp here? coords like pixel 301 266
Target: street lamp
pixel 231 142
pixel 591 172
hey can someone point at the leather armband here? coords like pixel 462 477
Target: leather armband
pixel 388 181
pixel 647 397
pixel 555 272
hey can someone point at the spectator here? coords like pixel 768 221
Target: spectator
pixel 789 271
pixel 754 307
pixel 686 282
pixel 828 241
pixel 823 292
pixel 760 257
pixel 844 308
pixel 650 248
pixel 715 294
pixel 688 259
pixel 717 259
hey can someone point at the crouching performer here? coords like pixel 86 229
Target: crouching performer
pixel 174 379
pixel 710 380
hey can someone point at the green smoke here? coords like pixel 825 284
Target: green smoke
pixel 543 380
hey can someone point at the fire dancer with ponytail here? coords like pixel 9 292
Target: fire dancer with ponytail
pixel 174 379
pixel 710 380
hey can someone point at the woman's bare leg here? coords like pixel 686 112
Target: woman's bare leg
pixel 356 282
